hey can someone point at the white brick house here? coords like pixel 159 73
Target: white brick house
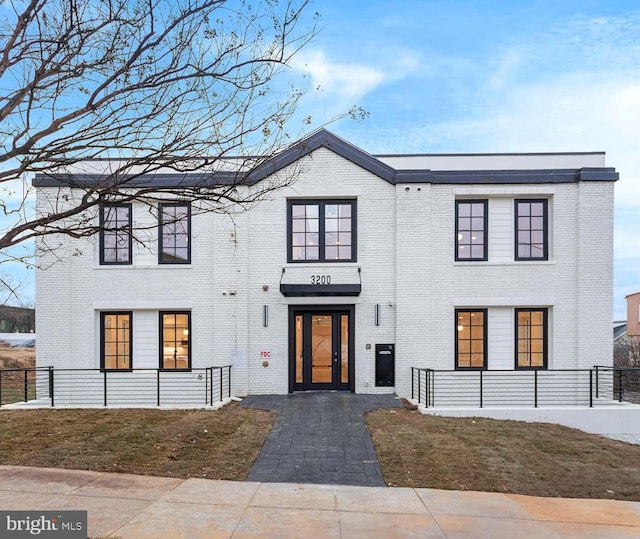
pixel 461 262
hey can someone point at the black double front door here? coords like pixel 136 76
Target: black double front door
pixel 321 348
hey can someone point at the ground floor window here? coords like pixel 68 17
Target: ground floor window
pixel 115 340
pixel 175 340
pixel 531 338
pixel 471 338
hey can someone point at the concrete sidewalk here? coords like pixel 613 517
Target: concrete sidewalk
pixel 132 506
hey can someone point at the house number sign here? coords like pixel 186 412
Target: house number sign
pixel 321 279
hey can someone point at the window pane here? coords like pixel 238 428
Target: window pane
pixel 175 334
pixel 175 232
pixel 330 210
pixel 298 210
pixel 116 340
pixel 336 241
pixel 524 209
pixel 530 335
pixel 345 252
pixel 470 333
pixel 470 232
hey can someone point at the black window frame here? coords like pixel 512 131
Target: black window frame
pixel 322 203
pixel 161 366
pixel 545 337
pixel 103 230
pixel 103 315
pixel 485 343
pixel 485 244
pixel 545 231
pixel 161 224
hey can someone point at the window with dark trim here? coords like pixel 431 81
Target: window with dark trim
pixel 531 338
pixel 471 338
pixel 175 340
pixel 175 233
pixel 321 231
pixel 532 234
pixel 471 229
pixel 116 335
pixel 115 234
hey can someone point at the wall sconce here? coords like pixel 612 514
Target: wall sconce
pixel 265 315
pixel 377 314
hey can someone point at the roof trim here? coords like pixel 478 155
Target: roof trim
pixel 325 139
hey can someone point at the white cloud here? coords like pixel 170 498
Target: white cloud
pixel 348 81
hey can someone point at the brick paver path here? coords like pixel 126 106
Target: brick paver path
pixel 319 437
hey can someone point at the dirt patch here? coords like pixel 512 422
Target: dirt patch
pixel 17 358
pixel 537 459
pixel 216 444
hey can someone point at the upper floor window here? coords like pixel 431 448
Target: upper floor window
pixel 175 233
pixel 531 338
pixel 321 230
pixel 175 340
pixel 471 229
pixel 471 338
pixel 115 234
pixel 532 236
pixel 115 340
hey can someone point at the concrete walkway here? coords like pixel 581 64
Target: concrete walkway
pixel 319 437
pixel 140 507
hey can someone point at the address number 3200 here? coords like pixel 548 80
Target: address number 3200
pixel 321 279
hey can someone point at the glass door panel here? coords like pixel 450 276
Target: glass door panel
pixel 344 348
pixel 321 349
pixel 298 351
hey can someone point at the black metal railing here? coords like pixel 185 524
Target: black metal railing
pixel 95 387
pixel 618 383
pixel 501 388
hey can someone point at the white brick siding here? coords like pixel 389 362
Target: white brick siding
pixel 405 261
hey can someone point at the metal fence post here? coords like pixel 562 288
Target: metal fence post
pixel 591 388
pixel 419 382
pixel 427 388
pixel 480 388
pixel 412 383
pixel 105 388
pixel 229 375
pixel 158 385
pixel 597 382
pixel 535 379
pixel 620 384
pixel 26 385
pixel 211 387
pixel 221 397
pixel 51 386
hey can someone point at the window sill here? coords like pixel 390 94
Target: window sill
pixel 505 263
pixel 145 267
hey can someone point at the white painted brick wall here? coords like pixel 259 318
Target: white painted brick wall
pixel 406 256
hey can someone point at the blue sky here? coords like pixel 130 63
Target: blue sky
pixel 485 76
pixel 490 76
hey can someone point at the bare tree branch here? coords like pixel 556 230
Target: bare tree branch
pixel 153 85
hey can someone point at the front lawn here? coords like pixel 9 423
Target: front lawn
pixel 538 459
pixel 216 444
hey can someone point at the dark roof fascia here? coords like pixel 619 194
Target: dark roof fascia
pixel 508 176
pixel 172 180
pixel 323 139
pixel 326 139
